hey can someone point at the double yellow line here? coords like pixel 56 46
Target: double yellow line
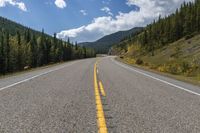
pixel 101 121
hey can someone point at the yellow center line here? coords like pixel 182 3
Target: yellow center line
pixel 101 121
pixel 102 89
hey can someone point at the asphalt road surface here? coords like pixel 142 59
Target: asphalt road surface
pixel 65 99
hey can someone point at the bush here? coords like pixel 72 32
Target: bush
pixel 173 69
pixel 177 68
pixel 185 66
pixel 139 62
pixel 162 68
pixel 130 60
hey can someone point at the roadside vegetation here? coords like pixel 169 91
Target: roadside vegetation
pixel 23 48
pixel 170 44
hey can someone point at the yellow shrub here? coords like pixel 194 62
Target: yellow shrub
pixel 161 69
pixel 130 60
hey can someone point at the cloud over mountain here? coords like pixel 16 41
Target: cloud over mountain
pixel 101 26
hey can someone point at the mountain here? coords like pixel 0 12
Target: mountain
pixel 22 48
pixel 13 27
pixel 105 43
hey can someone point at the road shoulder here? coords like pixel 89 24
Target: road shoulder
pixel 168 75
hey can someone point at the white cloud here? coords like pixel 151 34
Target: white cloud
pixel 107 10
pixel 83 12
pixel 60 3
pixel 19 5
pixel 101 26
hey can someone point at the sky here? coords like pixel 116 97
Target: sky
pixel 86 20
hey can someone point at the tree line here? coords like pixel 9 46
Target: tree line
pixel 28 49
pixel 185 22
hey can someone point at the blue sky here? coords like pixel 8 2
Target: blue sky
pixel 85 20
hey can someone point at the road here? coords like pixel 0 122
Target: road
pixel 91 95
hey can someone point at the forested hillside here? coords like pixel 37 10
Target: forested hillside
pixel 103 45
pixel 22 48
pixel 185 22
pixel 170 44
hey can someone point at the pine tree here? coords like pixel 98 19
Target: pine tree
pixel 33 48
pixel 85 52
pixel 69 51
pixel 55 40
pixel 2 56
pixel 19 52
pixel 198 15
pixel 145 40
pixel 76 46
pixel 48 48
pixel 68 41
pixel 7 52
pixel 27 36
pixel 41 49
pixel 29 56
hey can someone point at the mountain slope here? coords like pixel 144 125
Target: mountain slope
pixel 104 44
pixel 180 58
pixel 13 27
pixel 170 44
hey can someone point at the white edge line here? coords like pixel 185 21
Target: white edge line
pixel 22 81
pixel 163 81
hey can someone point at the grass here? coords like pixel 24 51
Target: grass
pixel 191 80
